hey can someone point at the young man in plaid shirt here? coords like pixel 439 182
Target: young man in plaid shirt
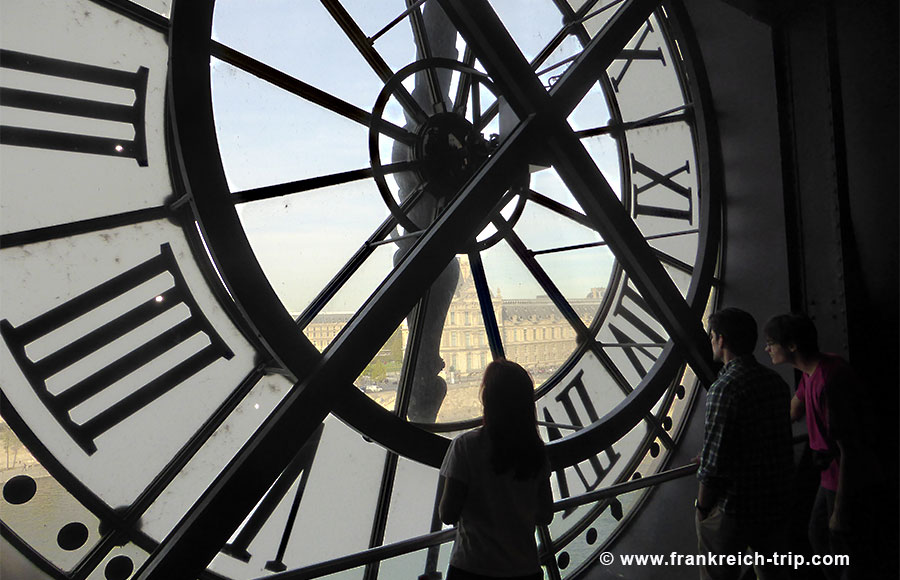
pixel 746 464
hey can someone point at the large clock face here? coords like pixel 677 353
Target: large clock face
pixel 255 258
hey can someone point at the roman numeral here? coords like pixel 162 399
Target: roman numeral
pixel 105 333
pixel 632 308
pixel 629 55
pixel 132 114
pixel 300 467
pixel 595 469
pixel 657 178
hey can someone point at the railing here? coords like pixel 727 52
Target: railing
pixel 436 538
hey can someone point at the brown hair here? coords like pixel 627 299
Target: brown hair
pixel 507 393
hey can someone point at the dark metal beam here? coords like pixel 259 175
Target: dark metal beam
pixel 500 56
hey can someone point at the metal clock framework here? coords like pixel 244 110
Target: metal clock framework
pixel 180 417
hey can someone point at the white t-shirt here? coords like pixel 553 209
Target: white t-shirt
pixel 495 533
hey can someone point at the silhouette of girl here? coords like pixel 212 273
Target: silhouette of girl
pixel 496 483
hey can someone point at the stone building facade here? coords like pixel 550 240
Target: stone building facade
pixel 534 332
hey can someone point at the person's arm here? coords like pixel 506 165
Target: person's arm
pixel 545 504
pixel 838 521
pixel 453 497
pixel 714 470
pixel 798 409
pixel 706 500
pixel 844 428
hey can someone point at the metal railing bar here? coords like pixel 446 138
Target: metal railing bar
pixel 560 425
pixel 367 556
pixel 433 539
pixel 625 487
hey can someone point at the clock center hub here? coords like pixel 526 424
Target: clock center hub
pixel 451 149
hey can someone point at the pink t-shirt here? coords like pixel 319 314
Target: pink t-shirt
pixel 814 390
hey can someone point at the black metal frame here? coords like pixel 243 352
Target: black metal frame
pixel 308 403
pixel 222 508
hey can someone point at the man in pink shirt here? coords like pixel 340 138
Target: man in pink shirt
pixel 830 398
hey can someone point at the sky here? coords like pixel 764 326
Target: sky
pixel 267 135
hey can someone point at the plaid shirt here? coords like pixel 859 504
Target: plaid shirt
pixel 747 455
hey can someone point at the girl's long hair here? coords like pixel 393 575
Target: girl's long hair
pixel 507 393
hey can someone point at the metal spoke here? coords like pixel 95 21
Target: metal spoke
pixel 84 226
pixel 137 13
pixel 500 56
pixel 306 91
pixel 678 114
pixel 193 542
pixel 365 48
pixel 424 46
pixel 673 261
pixel 465 84
pixel 560 208
pixel 495 340
pixel 571 19
pixel 299 186
pixel 600 10
pixel 406 383
pixel 661 255
pixel 543 279
pixel 377 239
pixel 395 21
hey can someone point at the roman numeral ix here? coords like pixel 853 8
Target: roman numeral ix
pixel 657 178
